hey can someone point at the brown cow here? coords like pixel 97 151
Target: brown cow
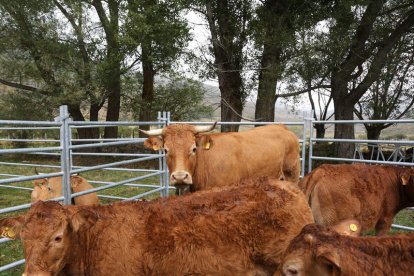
pixel 319 252
pixel 203 161
pixel 48 188
pixel 371 194
pixel 237 230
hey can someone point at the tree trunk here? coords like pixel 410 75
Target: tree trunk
pixel 320 131
pixel 76 114
pixel 373 133
pixel 231 99
pixel 344 110
pixel 93 117
pixel 147 89
pixel 266 95
pixel 114 100
pixel 227 48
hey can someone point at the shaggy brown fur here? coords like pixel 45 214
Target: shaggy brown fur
pixel 371 194
pixel 238 230
pixel 48 188
pixel 318 251
pixel 218 159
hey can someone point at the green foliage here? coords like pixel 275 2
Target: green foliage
pixel 182 97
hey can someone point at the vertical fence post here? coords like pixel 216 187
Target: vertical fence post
pixel 305 122
pixel 65 157
pixel 166 173
pixel 310 144
pixel 160 159
pixel 164 177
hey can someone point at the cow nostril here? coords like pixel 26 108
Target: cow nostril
pixel 173 176
pixel 186 175
pixel 292 271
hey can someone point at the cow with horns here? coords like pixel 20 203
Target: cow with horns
pixel 199 161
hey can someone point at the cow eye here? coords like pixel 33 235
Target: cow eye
pixel 194 150
pixel 58 238
pixel 165 151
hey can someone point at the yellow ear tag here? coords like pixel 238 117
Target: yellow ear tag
pixel 156 147
pixel 207 146
pixel 353 227
pixel 8 233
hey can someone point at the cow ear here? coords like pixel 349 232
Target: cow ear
pixel 405 179
pixel 39 182
pixel 330 259
pixel 11 227
pixel 75 180
pixel 349 227
pixel 204 141
pixel 83 219
pixel 154 143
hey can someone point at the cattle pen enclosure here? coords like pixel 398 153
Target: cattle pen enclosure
pixel 120 169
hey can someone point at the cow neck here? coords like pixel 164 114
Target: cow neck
pixel 79 252
pixel 403 201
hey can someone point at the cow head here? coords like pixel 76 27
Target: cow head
pixel 407 184
pixel 41 191
pixel 308 255
pixel 181 144
pixel 48 232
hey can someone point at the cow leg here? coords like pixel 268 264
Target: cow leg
pixel 383 226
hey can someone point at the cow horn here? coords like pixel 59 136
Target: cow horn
pixel 153 132
pixel 38 173
pixel 200 129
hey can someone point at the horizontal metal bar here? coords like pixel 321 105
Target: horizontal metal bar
pixel 3 240
pixel 106 124
pixel 239 123
pixel 24 206
pixel 119 169
pixel 29 140
pixel 112 197
pixel 402 227
pixel 15 187
pixel 145 194
pixel 361 161
pixel 32 123
pixel 26 150
pixel 7 174
pixel 115 184
pixel 28 128
pixel 45 153
pixel 107 139
pixel 28 178
pixel 364 121
pixel 129 185
pixel 29 165
pixel 114 154
pixel 125 162
pixel 11 265
pixel 98 145
pixel 15 208
pixel 399 142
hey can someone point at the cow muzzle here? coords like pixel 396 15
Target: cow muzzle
pixel 181 177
